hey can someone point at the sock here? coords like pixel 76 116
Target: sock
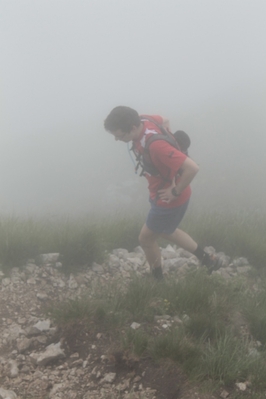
pixel 199 253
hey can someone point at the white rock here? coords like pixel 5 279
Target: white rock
pixel 13 369
pixel 52 352
pixel 224 394
pixel 97 268
pixel 135 325
pixel 182 253
pixel 139 250
pixel 193 261
pixel 42 339
pixel 72 283
pixel 125 384
pixel 31 267
pixel 121 253
pixel 49 258
pixel 209 250
pixel 56 388
pixel 6 281
pixel 42 297
pixel 60 283
pixel 31 280
pixel 43 325
pixel 240 262
pixel 109 377
pixel 176 263
pixel 169 252
pixel 74 355
pixel 162 317
pixel 13 332
pixel 177 320
pixel 22 320
pixel 7 394
pixel 114 261
pixel 23 344
pixel 135 255
pixel 135 262
pixel 241 385
pixel 222 272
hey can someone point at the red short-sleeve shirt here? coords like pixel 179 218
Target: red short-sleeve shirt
pixel 167 160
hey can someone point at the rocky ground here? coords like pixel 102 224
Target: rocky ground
pixel 38 360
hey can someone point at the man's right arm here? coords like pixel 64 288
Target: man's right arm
pixel 189 171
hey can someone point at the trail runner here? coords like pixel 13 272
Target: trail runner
pixel 169 173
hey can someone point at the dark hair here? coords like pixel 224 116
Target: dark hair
pixel 123 118
pixel 183 140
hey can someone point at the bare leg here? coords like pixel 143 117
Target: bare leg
pixel 182 239
pixel 147 239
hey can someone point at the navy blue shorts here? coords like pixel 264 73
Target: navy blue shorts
pixel 164 220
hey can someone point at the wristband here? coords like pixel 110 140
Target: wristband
pixel 174 193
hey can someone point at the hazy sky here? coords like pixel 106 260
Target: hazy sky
pixel 65 64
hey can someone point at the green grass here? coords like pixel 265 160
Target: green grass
pixel 82 241
pixel 178 346
pixel 135 341
pixel 254 311
pixel 79 241
pixel 208 345
pixel 226 359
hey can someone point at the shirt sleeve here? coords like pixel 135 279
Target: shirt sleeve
pixel 166 158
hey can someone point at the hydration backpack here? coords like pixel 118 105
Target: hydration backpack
pixel 144 160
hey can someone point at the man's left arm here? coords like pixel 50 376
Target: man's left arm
pixel 189 171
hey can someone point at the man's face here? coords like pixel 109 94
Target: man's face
pixel 122 136
pixel 127 137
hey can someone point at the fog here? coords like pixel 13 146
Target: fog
pixel 66 64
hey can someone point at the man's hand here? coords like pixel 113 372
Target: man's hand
pixel 189 171
pixel 166 193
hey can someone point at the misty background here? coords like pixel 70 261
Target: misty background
pixel 66 64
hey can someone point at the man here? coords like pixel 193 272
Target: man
pixel 169 185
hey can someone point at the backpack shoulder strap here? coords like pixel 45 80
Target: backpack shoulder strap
pixel 156 137
pixel 166 135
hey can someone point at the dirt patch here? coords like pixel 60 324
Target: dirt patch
pixel 133 373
